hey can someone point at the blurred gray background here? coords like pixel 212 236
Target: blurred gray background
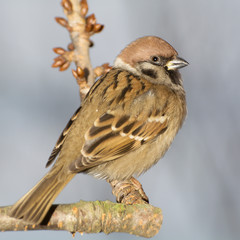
pixel 196 184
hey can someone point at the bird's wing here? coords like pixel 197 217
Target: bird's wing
pixel 113 136
pixel 62 138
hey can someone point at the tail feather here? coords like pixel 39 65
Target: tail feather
pixel 34 205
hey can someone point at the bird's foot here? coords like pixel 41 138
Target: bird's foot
pixel 129 191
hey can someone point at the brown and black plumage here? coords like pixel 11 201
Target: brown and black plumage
pixel 124 126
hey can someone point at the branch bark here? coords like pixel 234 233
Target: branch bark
pixel 92 217
pixel 80 39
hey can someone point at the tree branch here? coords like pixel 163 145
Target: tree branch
pixel 93 217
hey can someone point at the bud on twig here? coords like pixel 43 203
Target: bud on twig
pixel 91 19
pixel 67 5
pixel 58 61
pixel 65 66
pixel 98 28
pixel 89 28
pixel 84 8
pixel 80 72
pixel 64 60
pixel 74 73
pixel 70 47
pixel 98 71
pixel 59 50
pixel 62 21
pixel 90 22
pixel 106 67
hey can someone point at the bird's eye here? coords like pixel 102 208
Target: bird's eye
pixel 155 59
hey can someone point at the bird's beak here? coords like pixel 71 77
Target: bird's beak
pixel 176 63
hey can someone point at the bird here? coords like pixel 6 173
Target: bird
pixel 125 124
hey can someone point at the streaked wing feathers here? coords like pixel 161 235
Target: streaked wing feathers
pixel 113 136
pixel 61 139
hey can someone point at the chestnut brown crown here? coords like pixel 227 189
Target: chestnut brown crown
pixel 145 47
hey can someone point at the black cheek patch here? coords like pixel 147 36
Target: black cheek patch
pixel 150 72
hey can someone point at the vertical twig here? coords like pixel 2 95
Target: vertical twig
pixel 81 28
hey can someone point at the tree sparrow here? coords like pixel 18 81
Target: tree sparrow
pixel 125 124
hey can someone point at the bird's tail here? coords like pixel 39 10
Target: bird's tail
pixel 34 205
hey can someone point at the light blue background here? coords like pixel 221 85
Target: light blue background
pixel 197 182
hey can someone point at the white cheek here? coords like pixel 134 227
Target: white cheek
pixel 119 63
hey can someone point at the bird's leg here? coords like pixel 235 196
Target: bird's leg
pixel 129 191
pixel 138 186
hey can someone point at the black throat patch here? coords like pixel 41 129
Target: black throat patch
pixel 175 77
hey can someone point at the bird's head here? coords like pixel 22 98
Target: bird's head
pixel 152 58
